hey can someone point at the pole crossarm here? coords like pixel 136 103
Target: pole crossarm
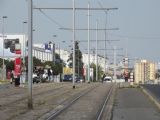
pixel 117 55
pixel 107 49
pixel 69 8
pixel 98 40
pixel 90 29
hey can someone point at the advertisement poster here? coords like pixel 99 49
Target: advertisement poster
pixel 17 66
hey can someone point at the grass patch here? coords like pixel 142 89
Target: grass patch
pixel 4 81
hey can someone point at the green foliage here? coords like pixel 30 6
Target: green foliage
pixel 57 67
pixel 78 59
pixel 9 64
pixel 1 62
pixel 100 73
pixel 36 62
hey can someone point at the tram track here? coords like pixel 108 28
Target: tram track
pixel 42 103
pixel 59 114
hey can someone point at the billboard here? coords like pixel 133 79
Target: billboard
pixel 17 66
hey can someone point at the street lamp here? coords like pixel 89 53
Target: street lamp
pixel 4 17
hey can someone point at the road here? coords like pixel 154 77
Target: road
pixel 132 104
pixel 154 90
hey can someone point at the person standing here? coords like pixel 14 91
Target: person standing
pixel 12 77
pixel 103 77
pixel 49 74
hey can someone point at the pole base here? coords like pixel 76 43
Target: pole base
pixel 30 106
pixel 74 86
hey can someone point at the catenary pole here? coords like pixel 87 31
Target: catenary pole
pixel 30 60
pixel 105 43
pixel 3 73
pixel 97 50
pixel 115 49
pixel 88 42
pixel 73 44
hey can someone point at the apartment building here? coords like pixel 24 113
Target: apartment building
pixel 144 71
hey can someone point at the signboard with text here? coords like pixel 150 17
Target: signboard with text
pixel 17 66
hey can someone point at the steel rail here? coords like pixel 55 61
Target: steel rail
pixel 54 115
pixel 36 94
pixel 99 116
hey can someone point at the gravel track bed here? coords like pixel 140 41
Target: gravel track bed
pixel 19 94
pixel 45 99
pixel 87 107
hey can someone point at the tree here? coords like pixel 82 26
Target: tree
pixel 78 59
pixel 36 62
pixel 9 64
pixel 100 73
pixel 57 67
pixel 1 62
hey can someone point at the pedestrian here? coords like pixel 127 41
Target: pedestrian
pixel 49 74
pixel 12 77
pixel 17 81
pixel 103 77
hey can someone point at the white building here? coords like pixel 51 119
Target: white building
pixel 42 54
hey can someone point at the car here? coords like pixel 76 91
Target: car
pixel 79 79
pixel 67 77
pixel 108 79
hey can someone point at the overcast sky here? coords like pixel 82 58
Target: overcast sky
pixel 138 22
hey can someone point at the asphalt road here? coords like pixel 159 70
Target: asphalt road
pixel 132 104
pixel 153 89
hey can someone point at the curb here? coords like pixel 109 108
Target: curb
pixel 152 98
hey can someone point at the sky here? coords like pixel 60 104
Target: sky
pixel 137 20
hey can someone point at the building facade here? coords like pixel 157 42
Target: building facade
pixel 145 71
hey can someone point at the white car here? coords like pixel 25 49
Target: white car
pixel 108 79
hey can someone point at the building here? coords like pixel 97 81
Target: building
pixel 145 71
pixel 41 53
pixel 93 60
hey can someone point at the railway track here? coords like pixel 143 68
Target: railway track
pixel 63 113
pixel 17 97
pixel 43 102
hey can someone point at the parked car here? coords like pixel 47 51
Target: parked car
pixel 79 79
pixel 67 78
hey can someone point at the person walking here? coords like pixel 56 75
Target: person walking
pixel 103 77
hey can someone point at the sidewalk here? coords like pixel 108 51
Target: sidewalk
pixel 132 104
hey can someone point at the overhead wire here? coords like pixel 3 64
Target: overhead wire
pixel 106 14
pixel 51 19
